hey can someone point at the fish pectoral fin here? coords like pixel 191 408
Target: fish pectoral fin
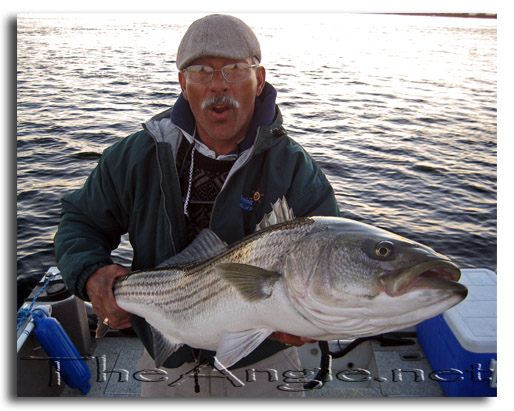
pixel 234 346
pixel 253 283
pixel 163 347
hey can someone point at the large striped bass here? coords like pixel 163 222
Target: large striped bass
pixel 318 277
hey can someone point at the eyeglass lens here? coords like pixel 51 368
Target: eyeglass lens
pixel 233 73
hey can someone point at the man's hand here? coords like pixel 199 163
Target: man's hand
pixel 290 339
pixel 99 288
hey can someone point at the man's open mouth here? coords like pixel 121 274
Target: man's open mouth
pixel 220 104
pixel 220 109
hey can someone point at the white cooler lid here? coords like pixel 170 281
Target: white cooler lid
pixel 473 321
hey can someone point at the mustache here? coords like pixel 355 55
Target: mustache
pixel 209 101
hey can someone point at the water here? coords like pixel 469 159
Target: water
pixel 399 111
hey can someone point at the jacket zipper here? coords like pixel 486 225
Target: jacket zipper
pixel 159 165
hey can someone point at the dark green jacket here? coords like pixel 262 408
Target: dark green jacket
pixel 135 190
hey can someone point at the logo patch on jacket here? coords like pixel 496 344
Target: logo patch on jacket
pixel 247 203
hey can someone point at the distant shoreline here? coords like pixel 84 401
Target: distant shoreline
pixel 464 15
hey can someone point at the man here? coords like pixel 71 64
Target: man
pixel 217 159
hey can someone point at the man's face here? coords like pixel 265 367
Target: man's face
pixel 221 125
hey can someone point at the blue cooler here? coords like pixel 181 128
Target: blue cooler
pixel 460 344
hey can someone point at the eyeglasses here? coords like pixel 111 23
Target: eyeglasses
pixel 233 73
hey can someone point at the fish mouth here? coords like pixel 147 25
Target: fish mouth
pixel 435 274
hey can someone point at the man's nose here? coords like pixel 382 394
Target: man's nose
pixel 218 81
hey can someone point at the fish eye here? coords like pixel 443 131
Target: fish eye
pixel 384 249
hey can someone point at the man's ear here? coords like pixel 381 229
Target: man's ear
pixel 183 83
pixel 261 79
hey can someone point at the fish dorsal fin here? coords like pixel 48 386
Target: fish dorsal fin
pixel 280 213
pixel 205 245
pixel 234 346
pixel 253 283
pixel 163 347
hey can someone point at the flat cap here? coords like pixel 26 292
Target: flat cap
pixel 217 35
